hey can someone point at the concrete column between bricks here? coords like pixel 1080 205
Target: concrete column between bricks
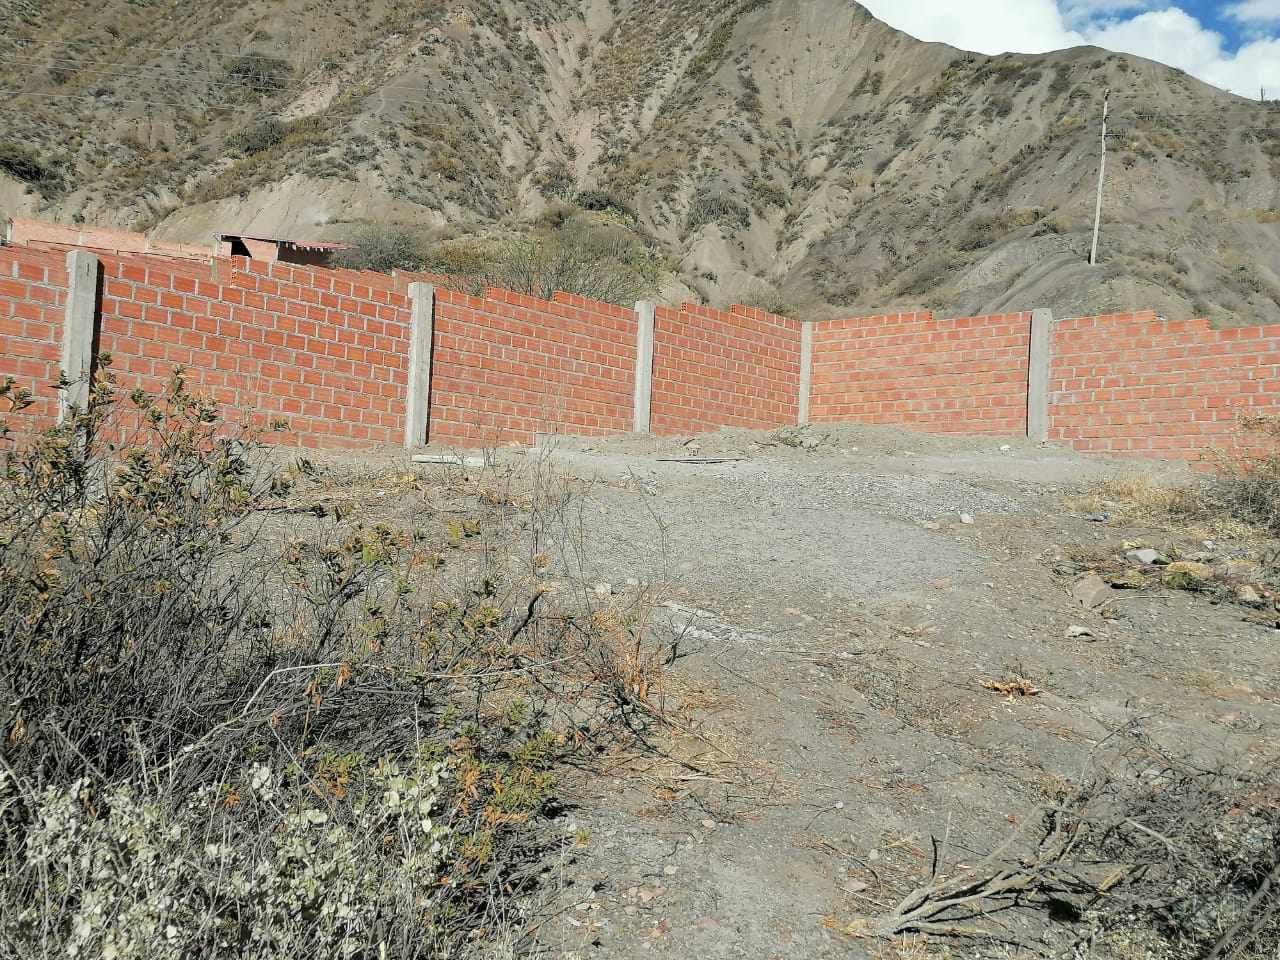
pixel 1038 375
pixel 806 371
pixel 77 331
pixel 417 416
pixel 645 312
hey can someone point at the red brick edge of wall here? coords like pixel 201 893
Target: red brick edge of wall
pixel 33 297
pixel 1136 384
pixel 328 349
pixel 964 375
pixel 714 369
pixel 507 367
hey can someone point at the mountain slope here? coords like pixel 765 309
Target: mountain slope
pixel 798 153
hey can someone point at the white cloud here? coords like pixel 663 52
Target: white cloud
pixel 1255 11
pixel 1169 35
pixel 988 26
pixel 1174 37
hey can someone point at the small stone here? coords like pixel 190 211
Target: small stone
pixel 1098 517
pixel 1005 447
pixel 670 870
pixel 1191 568
pixel 1146 556
pixel 603 589
pixel 1075 631
pixel 1127 580
pixel 1248 596
pixel 708 824
pixel 1092 592
pixel 854 886
pixel 966 518
pixel 810 443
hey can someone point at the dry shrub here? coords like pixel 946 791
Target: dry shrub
pixel 1140 496
pixel 220 737
pixel 1246 485
pixel 1150 855
pixel 384 247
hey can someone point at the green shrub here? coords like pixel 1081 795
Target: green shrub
pixel 223 737
pixel 601 201
pixel 714 204
pixel 259 137
pixel 597 262
pixel 383 248
pixel 22 163
pixel 258 74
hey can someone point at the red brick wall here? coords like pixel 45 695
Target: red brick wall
pixel 265 340
pixel 1130 383
pixel 33 296
pixel 715 369
pixel 508 366
pixel 327 350
pixel 964 375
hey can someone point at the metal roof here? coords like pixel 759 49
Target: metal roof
pixel 318 245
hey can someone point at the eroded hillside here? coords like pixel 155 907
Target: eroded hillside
pixel 799 154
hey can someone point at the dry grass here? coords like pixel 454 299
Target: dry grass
pixel 1139 497
pixel 1237 498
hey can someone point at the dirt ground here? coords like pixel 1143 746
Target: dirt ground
pixel 835 601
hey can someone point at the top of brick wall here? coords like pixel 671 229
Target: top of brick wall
pixel 23 232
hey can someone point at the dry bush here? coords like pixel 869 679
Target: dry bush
pixel 1246 486
pixel 1239 496
pixel 600 263
pixel 224 737
pixel 573 254
pixel 1150 855
pixel 384 247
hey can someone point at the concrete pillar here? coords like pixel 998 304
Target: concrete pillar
pixel 1038 375
pixel 806 371
pixel 77 331
pixel 422 304
pixel 645 312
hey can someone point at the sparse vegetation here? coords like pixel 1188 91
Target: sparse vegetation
pixel 1247 483
pixel 255 74
pixel 22 163
pixel 1149 851
pixel 384 248
pixel 224 735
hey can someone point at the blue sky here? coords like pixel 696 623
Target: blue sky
pixel 1234 44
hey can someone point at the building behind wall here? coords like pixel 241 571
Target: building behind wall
pixel 307 253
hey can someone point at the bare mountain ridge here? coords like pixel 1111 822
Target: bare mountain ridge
pixel 793 152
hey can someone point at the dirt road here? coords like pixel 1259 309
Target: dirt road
pixel 838 611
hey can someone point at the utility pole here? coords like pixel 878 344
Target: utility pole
pixel 1102 175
